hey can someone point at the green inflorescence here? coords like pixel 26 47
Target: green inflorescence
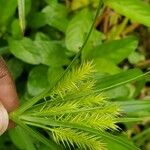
pixel 72 106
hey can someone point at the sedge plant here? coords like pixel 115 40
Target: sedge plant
pixel 72 112
pixel 71 109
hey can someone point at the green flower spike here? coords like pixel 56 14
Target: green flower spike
pixel 73 107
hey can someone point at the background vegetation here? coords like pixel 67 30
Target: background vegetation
pixel 39 39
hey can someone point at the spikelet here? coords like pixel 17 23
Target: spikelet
pixel 73 79
pixel 72 137
pixel 74 101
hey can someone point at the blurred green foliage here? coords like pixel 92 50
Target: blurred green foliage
pixel 53 33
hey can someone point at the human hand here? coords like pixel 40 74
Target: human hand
pixel 8 97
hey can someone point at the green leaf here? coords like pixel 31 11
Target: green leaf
pixel 25 50
pixel 16 30
pixel 5 138
pixel 118 142
pixel 40 137
pixel 36 20
pixel 58 16
pixel 106 66
pixel 4 50
pixel 7 9
pixel 15 67
pixel 117 92
pixel 52 53
pixel 54 74
pixel 115 50
pixel 40 36
pixel 122 78
pixel 129 119
pixel 134 9
pixel 77 30
pixel 28 4
pixel 94 40
pixel 21 139
pixel 54 15
pixel 139 85
pixel 35 52
pixel 134 106
pixel 136 57
pixel 37 80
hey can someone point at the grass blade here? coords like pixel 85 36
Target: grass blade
pixel 122 78
pixel 37 135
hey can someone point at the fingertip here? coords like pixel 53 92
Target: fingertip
pixel 4 119
pixel 8 93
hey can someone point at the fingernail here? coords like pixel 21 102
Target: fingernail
pixel 4 119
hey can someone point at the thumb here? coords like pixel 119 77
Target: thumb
pixel 4 119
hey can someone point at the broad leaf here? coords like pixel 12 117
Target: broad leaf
pixel 118 93
pixel 25 50
pixel 133 9
pixel 52 53
pixel 38 80
pixel 36 20
pixel 94 40
pixel 15 67
pixel 22 139
pixel 54 73
pixel 35 52
pixel 77 29
pixel 54 15
pixel 115 50
pixel 16 30
pixel 106 66
pixel 7 9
